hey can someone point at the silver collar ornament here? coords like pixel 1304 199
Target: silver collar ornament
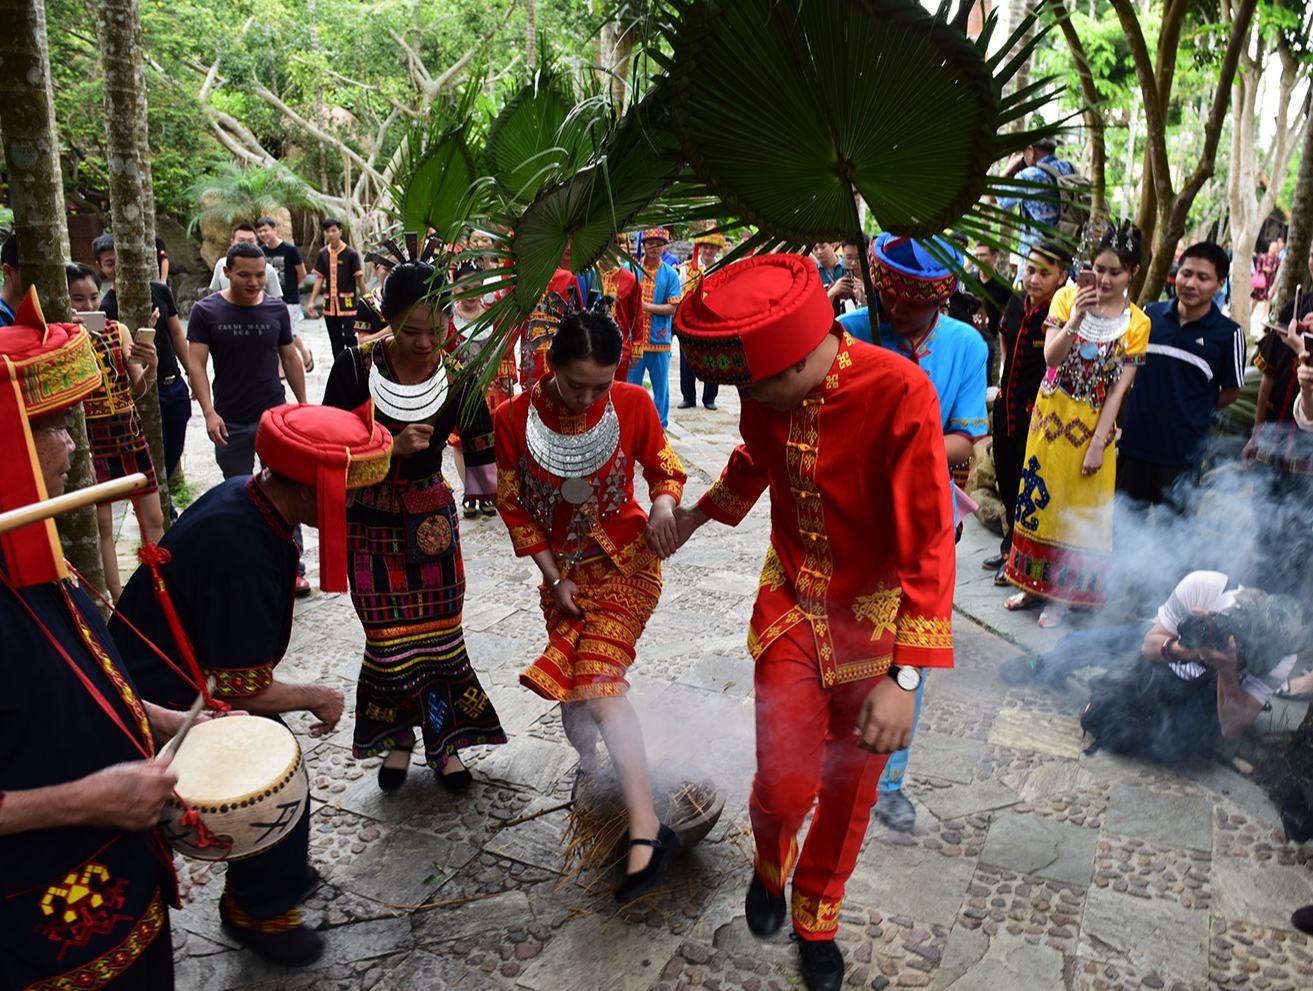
pixel 573 457
pixel 1099 329
pixel 408 403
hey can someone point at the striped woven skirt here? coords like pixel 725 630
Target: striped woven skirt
pixel 587 657
pixel 118 448
pixel 416 671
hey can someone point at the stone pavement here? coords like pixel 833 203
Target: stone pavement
pixel 1031 866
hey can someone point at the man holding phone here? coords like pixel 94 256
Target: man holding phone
pixel 1195 367
pixel 847 292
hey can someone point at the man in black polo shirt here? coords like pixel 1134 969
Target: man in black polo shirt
pixel 1195 367
pixel 170 344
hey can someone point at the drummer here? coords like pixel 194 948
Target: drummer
pixel 230 574
pixel 86 878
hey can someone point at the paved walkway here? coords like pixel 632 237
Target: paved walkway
pixel 1031 865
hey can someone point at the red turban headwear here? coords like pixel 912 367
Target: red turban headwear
pixel 330 450
pixel 44 368
pixel 753 319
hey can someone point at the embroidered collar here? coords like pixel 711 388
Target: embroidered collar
pixel 267 509
pixel 916 348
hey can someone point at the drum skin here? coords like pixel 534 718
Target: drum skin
pixel 250 818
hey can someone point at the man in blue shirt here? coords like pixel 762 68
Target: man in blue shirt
pixel 911 285
pixel 660 288
pixel 1037 164
pixel 1195 367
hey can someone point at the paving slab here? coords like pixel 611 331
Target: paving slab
pixel 974 961
pixel 1024 729
pixel 596 954
pixel 1055 777
pixel 531 763
pixel 1161 817
pixel 1265 894
pixel 946 758
pixel 957 801
pixel 1147 933
pixel 537 842
pixel 473 918
pixel 422 971
pixel 405 867
pixel 1032 844
pixel 898 879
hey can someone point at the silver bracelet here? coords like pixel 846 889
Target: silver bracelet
pixel 551 587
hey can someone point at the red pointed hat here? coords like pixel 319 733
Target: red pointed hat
pixel 331 450
pixel 753 319
pixel 44 368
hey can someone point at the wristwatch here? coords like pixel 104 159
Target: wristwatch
pixel 906 678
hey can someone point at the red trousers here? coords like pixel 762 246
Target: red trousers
pixel 807 755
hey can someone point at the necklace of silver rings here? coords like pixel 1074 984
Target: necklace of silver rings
pixel 573 457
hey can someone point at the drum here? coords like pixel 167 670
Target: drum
pixel 245 778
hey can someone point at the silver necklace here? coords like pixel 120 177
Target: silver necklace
pixel 408 403
pixel 1099 329
pixel 573 457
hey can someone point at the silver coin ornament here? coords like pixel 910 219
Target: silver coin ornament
pixel 576 491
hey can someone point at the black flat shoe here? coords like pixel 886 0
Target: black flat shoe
pixel 822 964
pixel 664 847
pixel 766 912
pixel 392 778
pixel 487 507
pixel 456 781
pixel 1302 919
pixel 1000 576
pixel 295 946
pixel 710 406
pixel 994 563
pixel 686 405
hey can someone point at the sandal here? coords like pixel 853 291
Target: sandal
pixel 488 507
pixel 470 506
pixel 1020 601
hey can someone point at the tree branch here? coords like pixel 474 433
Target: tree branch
pixel 345 150
pixel 1093 118
pixel 1155 124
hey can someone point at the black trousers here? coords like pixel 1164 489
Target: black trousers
pixel 1149 483
pixel 1009 455
pixel 688 386
pixel 341 333
pixel 1284 559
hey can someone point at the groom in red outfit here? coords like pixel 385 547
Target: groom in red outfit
pixel 856 592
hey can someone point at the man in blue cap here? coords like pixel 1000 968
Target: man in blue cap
pixel 911 286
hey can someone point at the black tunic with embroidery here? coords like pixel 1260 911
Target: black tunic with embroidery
pixel 79 906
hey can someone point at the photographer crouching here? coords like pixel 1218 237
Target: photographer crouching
pixel 1209 665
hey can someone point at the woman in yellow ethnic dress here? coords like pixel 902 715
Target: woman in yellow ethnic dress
pixel 566 451
pixel 1095 340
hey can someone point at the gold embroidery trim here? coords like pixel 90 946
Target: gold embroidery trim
pixel 932 632
pixel 879 608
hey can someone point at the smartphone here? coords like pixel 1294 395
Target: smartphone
pixel 94 321
pixel 1308 349
pixel 144 335
pixel 1086 278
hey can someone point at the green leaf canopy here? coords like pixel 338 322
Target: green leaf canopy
pixel 828 98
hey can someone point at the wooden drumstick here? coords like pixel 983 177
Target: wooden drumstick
pixel 92 494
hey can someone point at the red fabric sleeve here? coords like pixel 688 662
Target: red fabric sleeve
pixel 923 532
pixel 740 485
pixel 527 536
pixel 662 468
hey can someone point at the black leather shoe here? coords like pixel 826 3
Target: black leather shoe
pixel 296 946
pixel 1000 576
pixel 1303 919
pixel 994 563
pixel 822 964
pixel 686 405
pixel 766 912
pixel 392 778
pixel 664 847
pixel 710 406
pixel 456 781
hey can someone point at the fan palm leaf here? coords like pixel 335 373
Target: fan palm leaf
pixel 442 193
pixel 234 193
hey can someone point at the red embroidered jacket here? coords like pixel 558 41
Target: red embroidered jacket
pixel 530 499
pixel 861 540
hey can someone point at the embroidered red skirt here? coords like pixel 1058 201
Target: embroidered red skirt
pixel 588 656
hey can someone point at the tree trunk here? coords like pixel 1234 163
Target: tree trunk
pixel 1093 118
pixel 1298 239
pixel 131 196
pixel 531 33
pixel 36 193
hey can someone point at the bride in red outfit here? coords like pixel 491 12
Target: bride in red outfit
pixel 566 452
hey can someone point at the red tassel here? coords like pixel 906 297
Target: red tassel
pixel 191 819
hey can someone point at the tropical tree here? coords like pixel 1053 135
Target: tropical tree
pixel 1299 240
pixel 31 150
pixel 235 193
pixel 132 201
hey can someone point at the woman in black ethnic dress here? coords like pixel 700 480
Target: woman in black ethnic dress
pixel 403 540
